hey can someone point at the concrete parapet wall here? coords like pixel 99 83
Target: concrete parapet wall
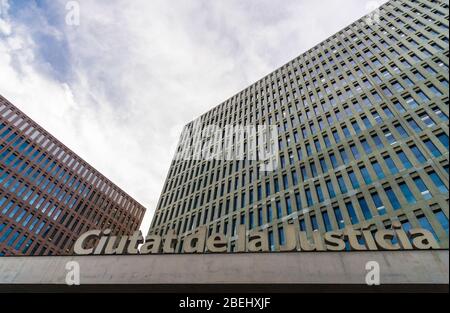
pixel 398 267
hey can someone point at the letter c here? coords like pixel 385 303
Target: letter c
pixel 78 247
pixel 384 240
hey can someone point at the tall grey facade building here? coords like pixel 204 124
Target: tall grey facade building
pixel 362 122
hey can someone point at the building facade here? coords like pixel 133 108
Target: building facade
pixel 49 195
pixel 362 123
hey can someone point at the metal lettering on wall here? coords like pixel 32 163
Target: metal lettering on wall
pixel 257 241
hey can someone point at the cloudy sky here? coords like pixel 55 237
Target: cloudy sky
pixel 118 87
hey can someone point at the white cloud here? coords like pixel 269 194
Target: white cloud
pixel 139 70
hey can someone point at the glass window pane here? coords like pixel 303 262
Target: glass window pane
pixel 352 213
pixel 365 208
pixel 392 198
pixel 378 203
pixel 430 145
pixel 443 220
pixel 424 223
pixel 426 194
pixel 407 193
pixel 438 182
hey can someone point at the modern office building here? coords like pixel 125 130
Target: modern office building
pixel 362 140
pixel 49 195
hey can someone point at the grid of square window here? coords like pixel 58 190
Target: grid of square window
pixel 48 195
pixel 363 138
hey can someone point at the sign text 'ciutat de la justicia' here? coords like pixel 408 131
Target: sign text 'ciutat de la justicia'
pixel 256 241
